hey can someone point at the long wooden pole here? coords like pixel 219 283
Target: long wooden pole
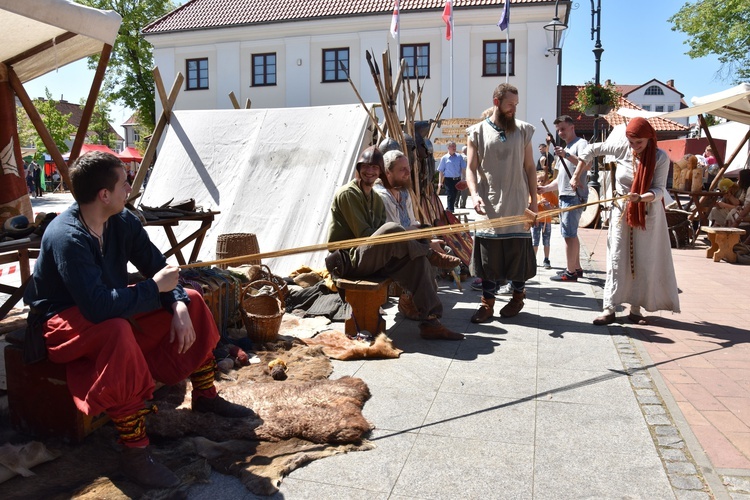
pixel 527 218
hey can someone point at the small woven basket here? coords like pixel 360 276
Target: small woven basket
pixel 277 280
pixel 261 313
pixel 235 245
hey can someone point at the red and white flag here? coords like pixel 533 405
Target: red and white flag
pixel 448 18
pixel 395 20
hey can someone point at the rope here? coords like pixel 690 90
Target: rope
pixel 429 232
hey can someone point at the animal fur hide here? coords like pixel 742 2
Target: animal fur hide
pixel 20 459
pixel 337 345
pixel 301 419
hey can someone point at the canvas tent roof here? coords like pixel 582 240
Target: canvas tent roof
pixel 42 35
pixel 732 104
pixel 130 154
pixel 271 172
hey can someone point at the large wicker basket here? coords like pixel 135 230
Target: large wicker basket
pixel 261 313
pixel 235 245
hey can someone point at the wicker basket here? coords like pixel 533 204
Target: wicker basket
pixel 277 280
pixel 261 314
pixel 235 245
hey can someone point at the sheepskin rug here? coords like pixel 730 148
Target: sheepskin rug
pixel 303 418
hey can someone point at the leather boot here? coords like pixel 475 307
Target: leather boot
pixel 140 467
pixel 407 308
pixel 485 311
pixel 514 306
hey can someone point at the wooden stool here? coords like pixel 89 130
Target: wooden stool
pixel 462 215
pixel 722 239
pixel 365 298
pixel 38 397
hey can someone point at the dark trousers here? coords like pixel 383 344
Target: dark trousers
pixel 451 191
pixel 405 262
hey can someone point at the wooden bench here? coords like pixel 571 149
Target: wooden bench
pixel 722 239
pixel 365 298
pixel 39 401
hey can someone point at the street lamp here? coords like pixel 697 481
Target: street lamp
pixel 555 32
pixel 596 14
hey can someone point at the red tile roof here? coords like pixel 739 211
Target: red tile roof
pixel 202 14
pixel 586 123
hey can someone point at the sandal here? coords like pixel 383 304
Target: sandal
pixel 605 319
pixel 637 319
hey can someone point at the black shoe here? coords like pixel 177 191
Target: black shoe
pixel 221 407
pixel 140 467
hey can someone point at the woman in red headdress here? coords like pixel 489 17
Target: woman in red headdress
pixel 639 258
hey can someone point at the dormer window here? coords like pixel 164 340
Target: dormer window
pixel 654 90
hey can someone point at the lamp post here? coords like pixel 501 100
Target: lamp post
pixel 555 32
pixel 596 28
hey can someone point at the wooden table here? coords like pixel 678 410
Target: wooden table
pixel 699 205
pixel 17 251
pixel 205 219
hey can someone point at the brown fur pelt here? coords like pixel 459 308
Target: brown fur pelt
pixel 321 411
pixel 337 345
pixel 298 420
pixel 261 465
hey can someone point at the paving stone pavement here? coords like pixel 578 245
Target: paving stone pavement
pixel 541 406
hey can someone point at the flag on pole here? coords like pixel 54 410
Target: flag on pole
pixel 395 20
pixel 448 18
pixel 505 18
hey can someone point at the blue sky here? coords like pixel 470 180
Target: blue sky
pixel 637 39
pixel 639 45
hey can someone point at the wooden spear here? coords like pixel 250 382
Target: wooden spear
pixel 372 115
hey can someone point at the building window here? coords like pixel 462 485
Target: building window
pixel 332 71
pixel 670 108
pixel 264 70
pixel 654 90
pixel 136 136
pixel 494 57
pixel 647 107
pixel 197 73
pixel 417 60
pixel 659 109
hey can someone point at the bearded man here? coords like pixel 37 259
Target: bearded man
pixel 500 153
pixel 358 212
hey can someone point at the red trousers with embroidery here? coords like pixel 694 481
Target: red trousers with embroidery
pixel 112 365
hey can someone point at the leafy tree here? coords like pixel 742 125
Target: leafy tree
pixel 100 119
pixel 720 27
pixel 129 78
pixel 56 123
pixel 27 135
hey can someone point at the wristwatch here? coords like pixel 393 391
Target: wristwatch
pixel 567 155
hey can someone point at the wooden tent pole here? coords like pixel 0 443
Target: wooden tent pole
pixel 88 109
pixel 150 152
pixel 38 122
pixel 235 102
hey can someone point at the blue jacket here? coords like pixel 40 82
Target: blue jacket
pixel 72 271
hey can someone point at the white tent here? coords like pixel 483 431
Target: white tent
pixel 272 172
pixel 42 35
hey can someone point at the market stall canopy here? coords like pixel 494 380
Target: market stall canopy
pixel 732 104
pixel 130 154
pixel 87 148
pixel 43 35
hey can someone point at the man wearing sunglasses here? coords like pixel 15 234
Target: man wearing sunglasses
pixel 501 176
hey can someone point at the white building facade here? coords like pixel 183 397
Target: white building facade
pixel 290 63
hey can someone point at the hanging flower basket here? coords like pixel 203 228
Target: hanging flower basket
pixel 597 110
pixel 592 99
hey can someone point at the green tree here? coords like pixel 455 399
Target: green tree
pixel 129 78
pixel 100 118
pixel 56 123
pixel 720 27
